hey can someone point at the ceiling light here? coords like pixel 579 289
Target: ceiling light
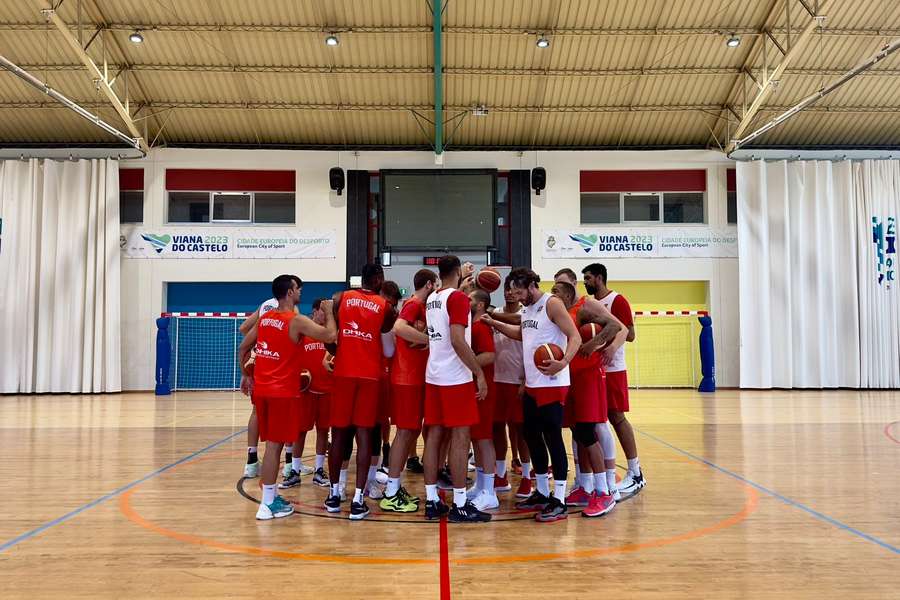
pixel 733 41
pixel 136 38
pixel 542 42
pixel 332 40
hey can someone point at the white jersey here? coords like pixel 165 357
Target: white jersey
pixel 538 329
pixel 618 361
pixel 508 365
pixel 270 304
pixel 444 365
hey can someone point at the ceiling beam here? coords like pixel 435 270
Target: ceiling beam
pixel 100 76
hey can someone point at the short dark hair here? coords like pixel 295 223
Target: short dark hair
pixel 422 277
pixel 390 289
pixel 298 280
pixel 317 303
pixel 483 297
pixel 568 273
pixel 567 288
pixel 447 264
pixel 521 277
pixel 597 270
pixel 371 273
pixel 282 284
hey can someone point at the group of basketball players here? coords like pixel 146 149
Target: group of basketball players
pixel 452 367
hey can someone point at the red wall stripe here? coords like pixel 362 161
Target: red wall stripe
pixel 675 180
pixel 131 180
pixel 731 176
pixel 230 180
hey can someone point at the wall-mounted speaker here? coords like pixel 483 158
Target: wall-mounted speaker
pixel 336 179
pixel 538 179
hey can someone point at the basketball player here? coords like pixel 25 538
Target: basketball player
pixel 595 279
pixel 276 381
pixel 482 493
pixel 544 321
pixel 586 405
pixel 251 468
pixel 362 316
pixel 315 404
pixel 451 397
pixel 509 381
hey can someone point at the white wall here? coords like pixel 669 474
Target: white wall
pixel 558 206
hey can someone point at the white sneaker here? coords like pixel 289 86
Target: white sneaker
pixel 306 469
pixel 251 470
pixel 381 477
pixel 486 501
pixel 617 496
pixel 286 471
pixel 473 492
pixel 631 485
pixel 276 510
pixel 375 491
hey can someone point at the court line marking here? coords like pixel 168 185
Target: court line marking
pixel 116 492
pixel 774 494
pixel 445 561
pixel 887 431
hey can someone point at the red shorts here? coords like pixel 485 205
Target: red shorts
pixel 508 407
pixel 407 404
pixel 451 405
pixel 278 418
pixel 548 395
pixel 617 391
pixel 314 411
pixel 354 401
pixel 586 402
pixel 484 429
pixel 383 416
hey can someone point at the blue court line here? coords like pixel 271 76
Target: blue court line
pixel 30 534
pixel 775 494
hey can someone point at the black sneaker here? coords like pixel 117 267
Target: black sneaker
pixel 467 514
pixel 359 510
pixel 414 465
pixel 554 511
pixel 536 501
pixel 321 478
pixel 444 481
pixel 435 509
pixel 333 504
pixel 290 481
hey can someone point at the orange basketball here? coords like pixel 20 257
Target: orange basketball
pixel 249 364
pixel 547 352
pixel 588 331
pixel 305 380
pixel 329 362
pixel 488 279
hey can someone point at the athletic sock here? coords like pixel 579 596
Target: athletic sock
pixel 320 461
pixel 559 490
pixel 501 468
pixel 343 478
pixel 459 497
pixel 587 482
pixel 393 486
pixel 543 483
pixel 431 494
pixel 526 470
pixel 252 456
pixel 288 456
pixel 296 463
pixel 479 479
pixel 487 483
pixel 358 496
pixel 634 465
pixel 268 494
pixel 611 479
pixel 600 484
pixel 335 489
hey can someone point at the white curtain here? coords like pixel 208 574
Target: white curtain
pixel 878 208
pixel 799 311
pixel 59 272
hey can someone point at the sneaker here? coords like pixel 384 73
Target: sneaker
pixel 536 501
pixel 292 480
pixel 375 491
pixel 381 475
pixel 414 465
pixel 359 510
pixel 467 513
pixel 631 485
pixel 333 504
pixel 409 497
pixel 501 484
pixel 472 493
pixel 616 494
pixel 398 503
pixel 525 487
pixel 599 505
pixel 306 469
pixel 554 511
pixel 251 470
pixel 321 478
pixel 516 466
pixel 435 509
pixel 278 509
pixel 287 470
pixel 486 501
pixel 578 497
pixel 444 482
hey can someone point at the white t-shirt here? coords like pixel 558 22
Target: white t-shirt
pixel 508 365
pixel 444 365
pixel 538 329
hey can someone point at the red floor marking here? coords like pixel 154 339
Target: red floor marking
pixel 445 562
pixel 887 432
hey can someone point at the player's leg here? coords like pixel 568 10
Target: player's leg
pixel 408 401
pixel 322 401
pixel 540 460
pixel 600 501
pixel 501 448
pixel 617 397
pixel 251 468
pixel 434 434
pixel 551 420
pixel 277 425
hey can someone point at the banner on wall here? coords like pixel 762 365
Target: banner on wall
pixel 227 242
pixel 694 242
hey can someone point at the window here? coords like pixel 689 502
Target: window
pixel 683 207
pixel 600 208
pixel 232 207
pixel 641 207
pixel 131 207
pixel 732 207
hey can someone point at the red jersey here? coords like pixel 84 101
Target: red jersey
pixel 361 315
pixel 409 363
pixel 573 312
pixel 580 363
pixel 278 358
pixel 483 341
pixel 621 310
pixel 322 379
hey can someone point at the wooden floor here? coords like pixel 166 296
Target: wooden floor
pixel 795 494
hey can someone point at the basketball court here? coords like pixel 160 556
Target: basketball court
pixel 733 166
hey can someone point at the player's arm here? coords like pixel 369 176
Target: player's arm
pixel 247 344
pixel 249 322
pixel 390 317
pixel 403 330
pixel 630 336
pixel 483 339
pixel 301 325
pixel 613 331
pixel 557 312
pixel 388 345
pixel 513 332
pixel 485 358
pixel 335 305
pixel 508 318
pixel 467 356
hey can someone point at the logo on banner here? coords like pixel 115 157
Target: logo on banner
pixel 884 236
pixel 585 241
pixel 159 242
